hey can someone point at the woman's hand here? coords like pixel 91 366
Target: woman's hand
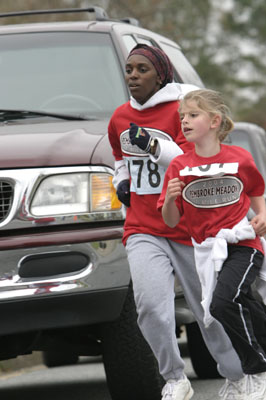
pixel 123 192
pixel 140 137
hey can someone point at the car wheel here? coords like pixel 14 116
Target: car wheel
pixel 130 366
pixel 58 358
pixel 203 363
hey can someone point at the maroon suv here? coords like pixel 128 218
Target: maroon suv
pixel 64 278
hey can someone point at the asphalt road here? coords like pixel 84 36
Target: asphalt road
pixel 84 381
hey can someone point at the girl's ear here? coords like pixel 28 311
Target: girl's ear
pixel 216 121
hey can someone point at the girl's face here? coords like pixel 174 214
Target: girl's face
pixel 196 123
pixel 142 78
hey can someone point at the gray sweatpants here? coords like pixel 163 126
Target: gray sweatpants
pixel 153 262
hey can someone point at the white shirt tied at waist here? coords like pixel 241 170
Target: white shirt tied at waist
pixel 210 256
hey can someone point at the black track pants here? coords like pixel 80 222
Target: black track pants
pixel 233 304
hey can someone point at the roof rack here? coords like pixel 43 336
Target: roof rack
pixel 100 13
pixel 131 21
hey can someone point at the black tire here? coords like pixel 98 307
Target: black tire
pixel 203 363
pixel 130 366
pixel 58 358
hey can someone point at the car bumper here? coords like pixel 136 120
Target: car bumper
pixel 63 311
pixel 62 285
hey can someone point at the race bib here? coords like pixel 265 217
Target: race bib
pixel 146 176
pixel 216 169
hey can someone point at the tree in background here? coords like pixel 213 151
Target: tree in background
pixel 224 42
pixel 244 28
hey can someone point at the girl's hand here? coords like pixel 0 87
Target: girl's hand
pixel 174 189
pixel 259 224
pixel 170 211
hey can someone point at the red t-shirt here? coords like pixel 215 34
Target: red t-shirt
pixel 217 190
pixel 147 177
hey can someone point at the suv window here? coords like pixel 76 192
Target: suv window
pixel 66 72
pixel 181 64
pixel 129 42
pixel 252 144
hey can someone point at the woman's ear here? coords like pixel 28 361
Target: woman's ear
pixel 159 81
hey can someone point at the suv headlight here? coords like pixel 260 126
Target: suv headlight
pixel 75 193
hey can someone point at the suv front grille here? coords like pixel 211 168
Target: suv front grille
pixel 6 198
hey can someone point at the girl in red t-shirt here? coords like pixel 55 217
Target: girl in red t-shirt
pixel 213 186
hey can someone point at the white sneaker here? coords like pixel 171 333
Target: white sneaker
pixel 256 386
pixel 177 390
pixel 233 390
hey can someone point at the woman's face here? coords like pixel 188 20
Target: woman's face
pixel 142 78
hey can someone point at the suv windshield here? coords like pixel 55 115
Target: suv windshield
pixel 60 72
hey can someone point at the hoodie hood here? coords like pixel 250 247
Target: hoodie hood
pixel 170 92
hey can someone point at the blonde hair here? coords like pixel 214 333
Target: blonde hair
pixel 213 103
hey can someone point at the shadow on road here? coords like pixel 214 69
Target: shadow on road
pixel 84 381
